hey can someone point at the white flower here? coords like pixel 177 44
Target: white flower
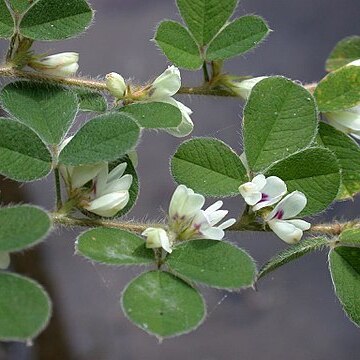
pixel 162 89
pixel 110 191
pixel 63 64
pixel 116 84
pixel 188 221
pixel 4 260
pixel 347 121
pixel 287 230
pixel 157 238
pixel 262 192
pixel 77 176
pixel 244 87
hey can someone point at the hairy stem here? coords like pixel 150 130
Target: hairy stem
pixel 8 71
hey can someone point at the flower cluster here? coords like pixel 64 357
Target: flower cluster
pixel 187 220
pixel 262 192
pixel 109 191
pixel 162 89
pixel 63 64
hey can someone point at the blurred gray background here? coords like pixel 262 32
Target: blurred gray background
pixel 294 314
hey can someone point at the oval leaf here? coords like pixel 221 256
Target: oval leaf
pixel 23 156
pixel 114 247
pixel 104 138
pixel 214 263
pixel 54 20
pixel 339 90
pixel 280 118
pixel 22 226
pixel 205 18
pixel 47 109
pixel 172 306
pixel 345 51
pixel 347 152
pixel 315 172
pixel 208 166
pixel 178 45
pixel 238 37
pixel 25 308
pixel 345 273
pixel 293 252
pixel 154 115
pixel 6 21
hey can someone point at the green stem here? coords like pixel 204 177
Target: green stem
pixel 58 189
pixel 206 73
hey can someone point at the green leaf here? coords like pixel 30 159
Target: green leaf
pixel 315 172
pixel 293 252
pixel 350 237
pixel 25 308
pixel 345 273
pixel 104 138
pixel 6 21
pixel 339 90
pixel 114 247
pixel 177 44
pixel 162 304
pixel 214 263
pixel 56 20
pixel 208 166
pixel 91 100
pixel 47 109
pixel 345 51
pixel 20 6
pixel 205 18
pixel 347 152
pixel 280 118
pixel 238 37
pixel 22 226
pixel 23 156
pixel 154 115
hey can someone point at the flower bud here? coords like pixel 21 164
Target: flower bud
pixel 354 63
pixel 244 87
pixel 63 64
pixel 157 238
pixel 116 84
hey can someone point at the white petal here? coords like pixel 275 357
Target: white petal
pixel 290 206
pixel 274 187
pixel 226 224
pixel 80 175
pixel 62 71
pixel 217 216
pixel 354 63
pixel 266 203
pixel 186 126
pixel 252 198
pixel 215 206
pixel 259 181
pixel 65 58
pixel 286 231
pixel 117 172
pixel 185 202
pixel 244 87
pixel 109 204
pixel 300 224
pixel 122 184
pixel 347 121
pixel 100 180
pixel 4 260
pixel 167 84
pixel 213 233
